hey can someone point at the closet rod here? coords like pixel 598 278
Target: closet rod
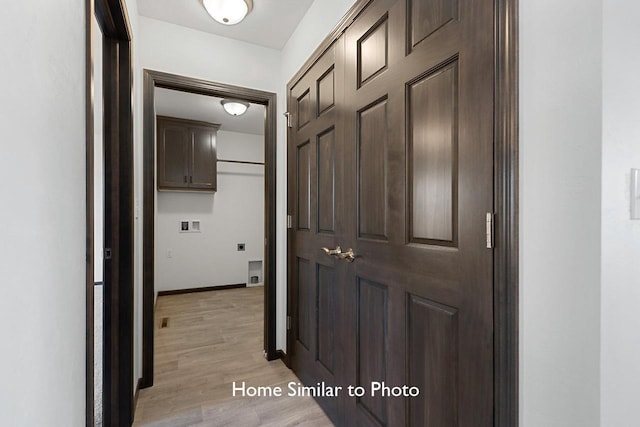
pixel 240 161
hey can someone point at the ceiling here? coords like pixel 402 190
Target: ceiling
pixel 204 108
pixel 270 23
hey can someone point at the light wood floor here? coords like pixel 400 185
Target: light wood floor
pixel 212 339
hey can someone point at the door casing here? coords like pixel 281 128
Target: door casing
pixel 118 401
pixel 506 238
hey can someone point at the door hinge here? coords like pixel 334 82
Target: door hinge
pixel 489 229
pixel 288 116
pixel 289 221
pixel 107 253
pixel 288 323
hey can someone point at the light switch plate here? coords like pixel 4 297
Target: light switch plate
pixel 635 193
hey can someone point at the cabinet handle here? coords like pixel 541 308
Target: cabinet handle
pixel 190 180
pixel 185 179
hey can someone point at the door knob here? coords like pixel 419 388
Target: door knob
pixel 337 251
pixel 348 255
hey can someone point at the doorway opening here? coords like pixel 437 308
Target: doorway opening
pixel 258 263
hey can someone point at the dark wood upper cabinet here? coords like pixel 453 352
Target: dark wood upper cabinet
pixel 186 155
pixel 173 154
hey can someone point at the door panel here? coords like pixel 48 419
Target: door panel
pixel 327 307
pixel 432 361
pixel 372 171
pixel 426 17
pixel 306 302
pixel 326 91
pixel 410 145
pixel 304 186
pixel 304 108
pixel 432 150
pixel 326 167
pixel 372 347
pixel 373 51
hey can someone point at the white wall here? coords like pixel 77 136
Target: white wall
pixel 180 50
pixel 42 214
pixel 620 235
pixel 560 203
pixel 233 214
pixel 320 19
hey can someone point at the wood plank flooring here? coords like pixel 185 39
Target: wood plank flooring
pixel 212 339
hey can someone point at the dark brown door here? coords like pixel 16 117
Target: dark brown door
pixel 315 186
pixel 416 144
pixel 419 132
pixel 173 154
pixel 203 158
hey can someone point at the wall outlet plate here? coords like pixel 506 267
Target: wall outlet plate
pixel 184 225
pixel 195 226
pixel 241 247
pixel 635 193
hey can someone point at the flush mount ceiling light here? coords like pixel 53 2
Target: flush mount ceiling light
pixel 228 12
pixel 234 107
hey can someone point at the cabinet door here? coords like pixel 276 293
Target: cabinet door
pixel 173 155
pixel 203 159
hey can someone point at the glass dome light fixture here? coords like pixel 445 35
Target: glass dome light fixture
pixel 228 12
pixel 234 107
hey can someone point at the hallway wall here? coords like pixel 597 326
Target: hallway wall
pixel 572 200
pixel 620 235
pixel 560 204
pixel 561 172
pixel 42 214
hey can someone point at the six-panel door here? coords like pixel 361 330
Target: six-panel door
pixel 415 140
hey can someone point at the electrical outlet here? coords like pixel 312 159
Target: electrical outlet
pixel 240 247
pixel 635 194
pixel 184 226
